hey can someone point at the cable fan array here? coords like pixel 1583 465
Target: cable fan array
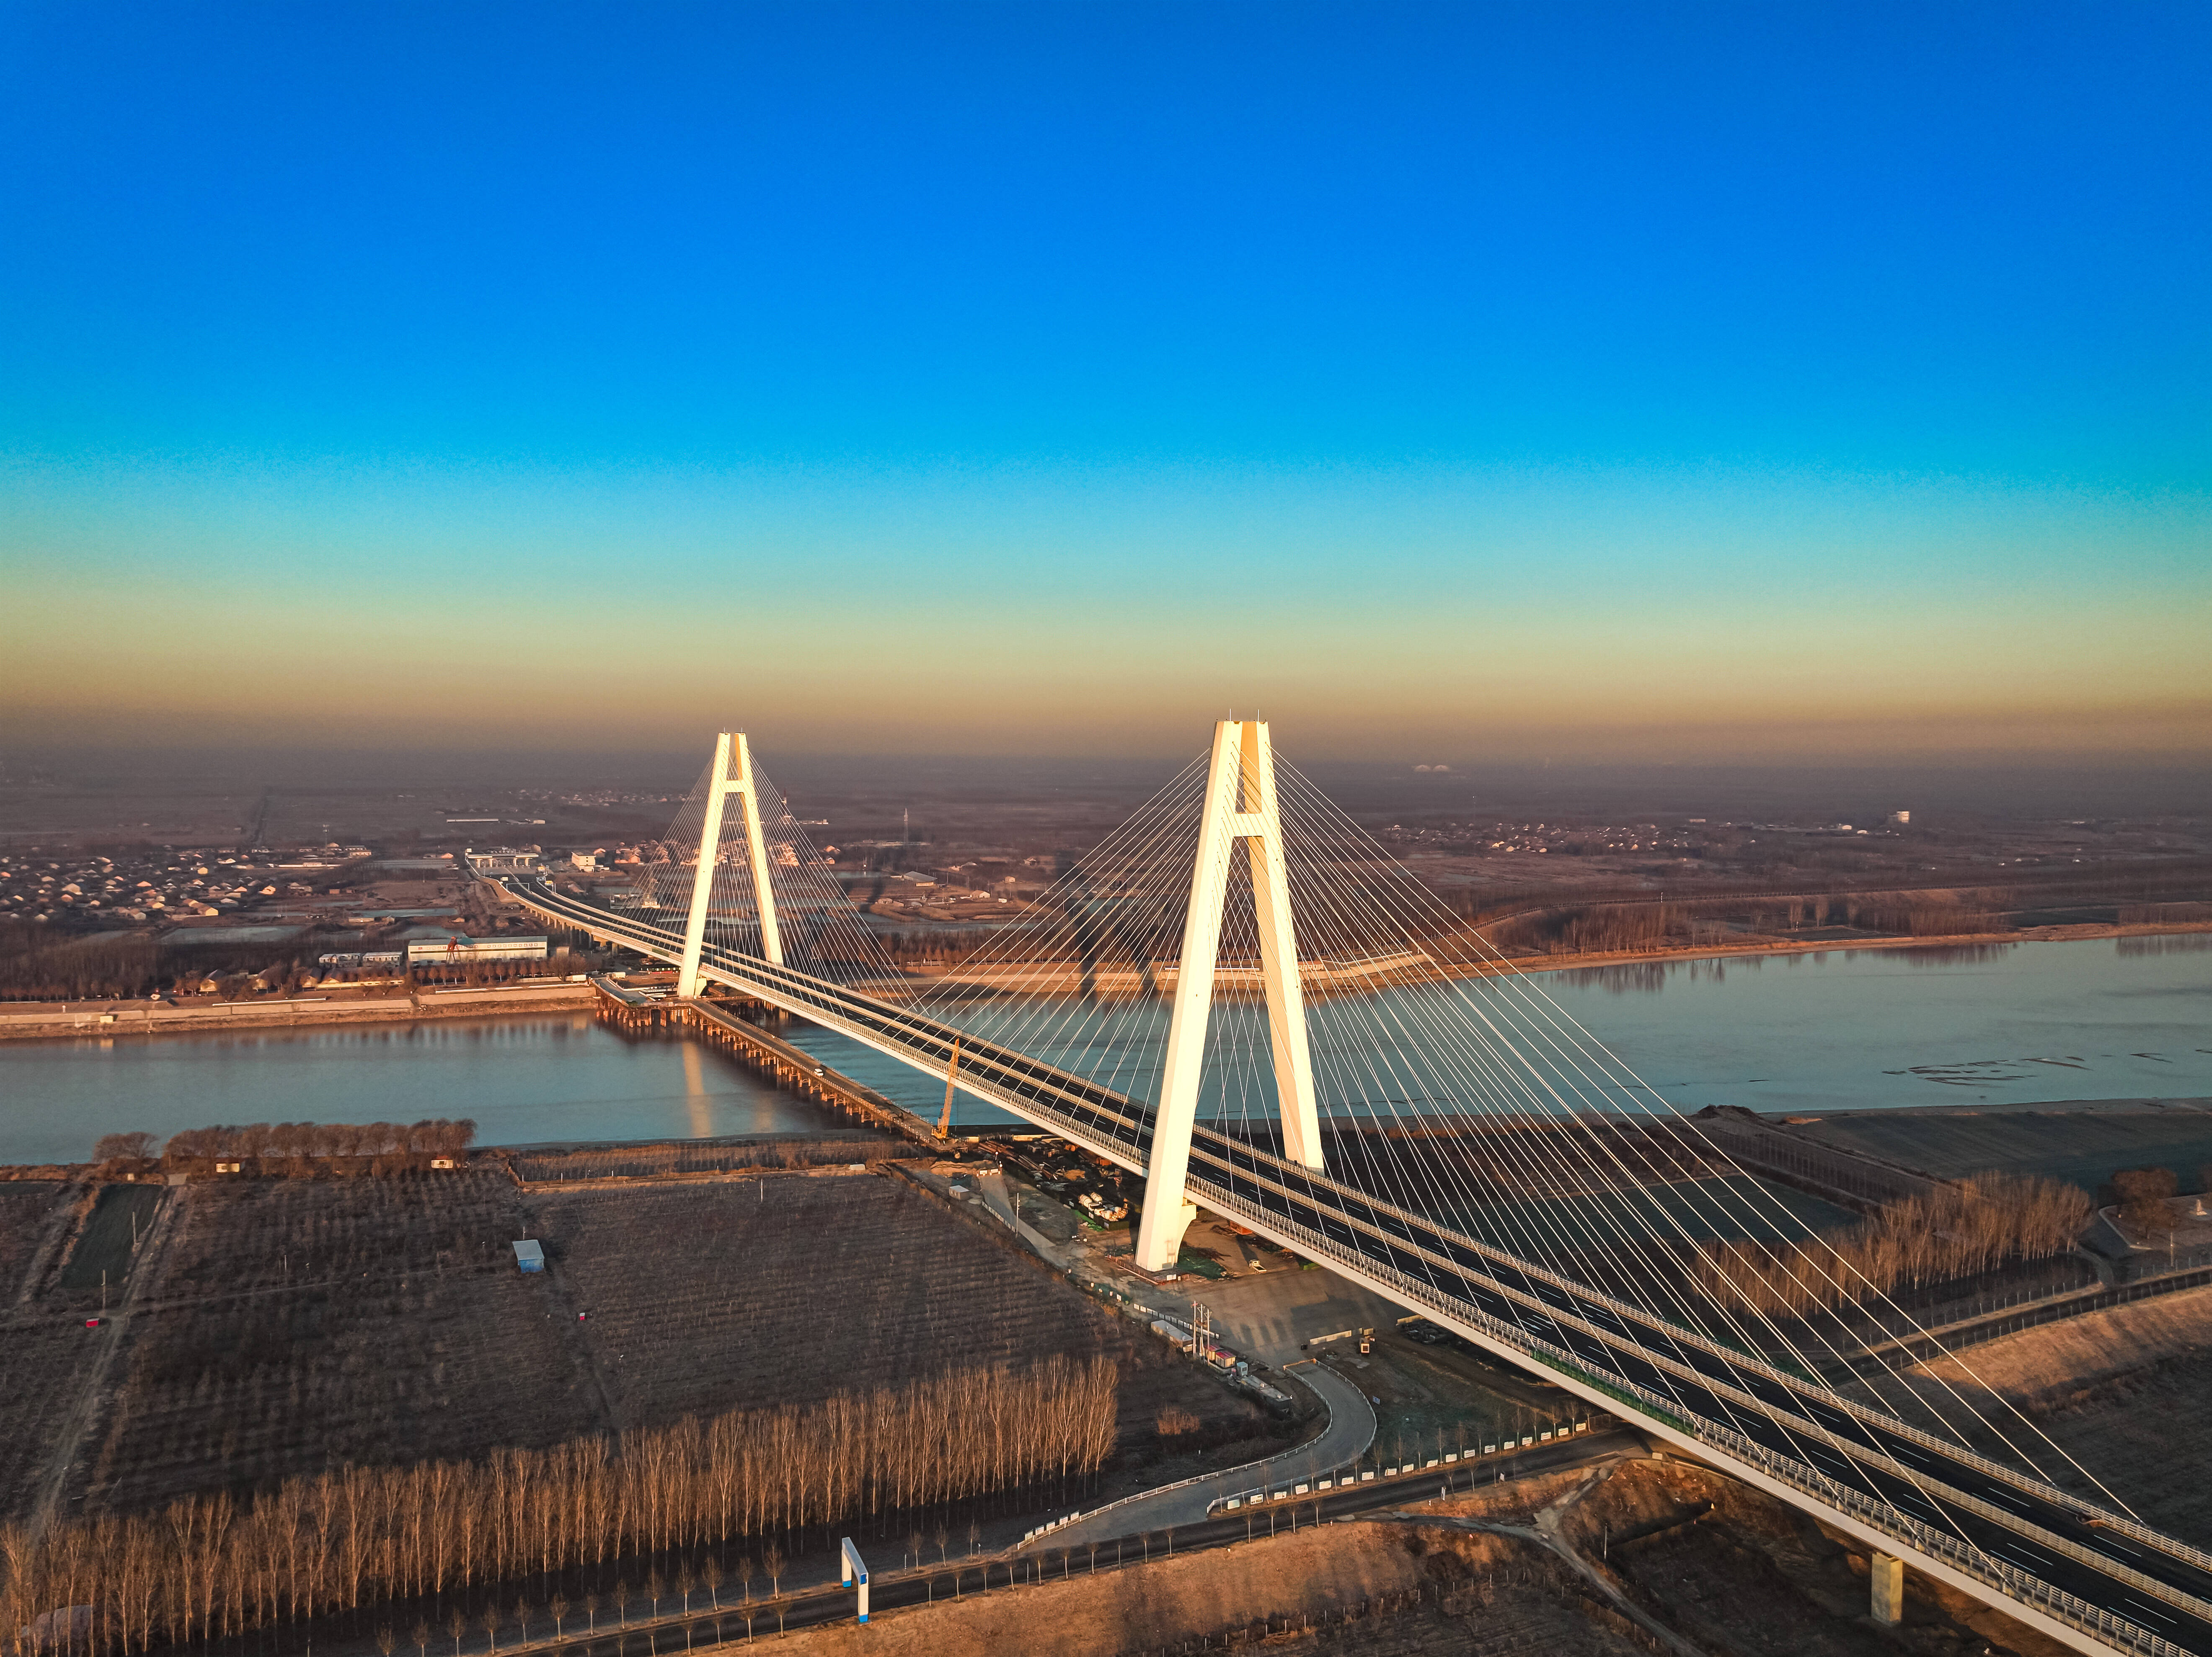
pixel 1448 1083
pixel 820 931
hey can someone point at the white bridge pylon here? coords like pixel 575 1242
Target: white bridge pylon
pixel 731 772
pixel 1239 805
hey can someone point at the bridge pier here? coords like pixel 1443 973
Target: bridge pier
pixel 1888 1581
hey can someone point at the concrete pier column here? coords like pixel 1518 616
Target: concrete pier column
pixel 1888 1579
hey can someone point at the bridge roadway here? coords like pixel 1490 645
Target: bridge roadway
pixel 2058 1563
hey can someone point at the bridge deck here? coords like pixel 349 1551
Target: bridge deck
pixel 2097 1579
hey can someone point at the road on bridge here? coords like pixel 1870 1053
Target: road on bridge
pixel 1986 1526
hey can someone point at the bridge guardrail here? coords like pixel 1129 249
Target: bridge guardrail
pixel 1955 1551
pixel 2125 1525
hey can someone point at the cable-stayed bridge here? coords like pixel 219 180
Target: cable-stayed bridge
pixel 1241 998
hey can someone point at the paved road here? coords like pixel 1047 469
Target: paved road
pixel 1350 1429
pixel 2021 1539
pixel 1045 1562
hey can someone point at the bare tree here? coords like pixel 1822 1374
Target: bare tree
pixel 386 1640
pixel 457 1624
pixel 420 1634
pixel 772 1562
pixel 490 1622
pixel 710 1573
pixel 558 1607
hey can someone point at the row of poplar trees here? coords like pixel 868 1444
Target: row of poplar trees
pixel 1954 1231
pixel 208 1567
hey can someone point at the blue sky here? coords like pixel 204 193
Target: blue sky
pixel 1042 376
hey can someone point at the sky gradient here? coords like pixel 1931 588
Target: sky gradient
pixel 1440 382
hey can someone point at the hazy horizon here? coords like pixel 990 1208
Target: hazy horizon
pixel 1442 382
pixel 1471 786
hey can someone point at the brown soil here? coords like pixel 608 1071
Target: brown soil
pixel 1738 1572
pixel 294 1324
pixel 784 1289
pixel 1720 1568
pixel 286 1325
pixel 45 1348
pixel 2084 1145
pixel 1476 1594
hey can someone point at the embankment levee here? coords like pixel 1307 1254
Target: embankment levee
pixel 39 1021
pixel 2067 934
pixel 44 1021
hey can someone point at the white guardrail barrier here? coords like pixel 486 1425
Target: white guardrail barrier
pixel 1954 1551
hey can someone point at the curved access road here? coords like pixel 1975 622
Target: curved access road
pixel 1350 1429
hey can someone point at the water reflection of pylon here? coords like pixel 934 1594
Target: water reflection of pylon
pixel 952 1072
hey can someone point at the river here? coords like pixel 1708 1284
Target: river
pixel 1840 1029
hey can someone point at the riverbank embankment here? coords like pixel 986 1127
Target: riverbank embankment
pixel 45 1021
pixel 2071 933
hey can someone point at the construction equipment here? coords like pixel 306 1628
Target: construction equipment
pixel 951 1070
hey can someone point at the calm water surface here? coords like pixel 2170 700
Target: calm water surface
pixel 560 1076
pixel 1857 1030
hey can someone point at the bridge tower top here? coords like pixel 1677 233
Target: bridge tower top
pixel 1239 805
pixel 730 773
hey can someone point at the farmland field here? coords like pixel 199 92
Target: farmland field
pixel 783 1289
pixel 296 1323
pixel 44 1350
pixel 283 1326
pixel 107 1245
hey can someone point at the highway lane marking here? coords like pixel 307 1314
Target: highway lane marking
pixel 2152 1612
pixel 2033 1561
pixel 1730 1375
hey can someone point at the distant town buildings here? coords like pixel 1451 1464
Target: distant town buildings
pixel 458 950
pixel 504 860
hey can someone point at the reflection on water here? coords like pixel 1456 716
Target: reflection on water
pixel 522 1079
pixel 1649 977
pixel 1837 1030
pixel 1952 954
pixel 2187 943
pixel 1646 977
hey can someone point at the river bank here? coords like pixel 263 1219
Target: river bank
pixel 47 1019
pixel 2071 933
